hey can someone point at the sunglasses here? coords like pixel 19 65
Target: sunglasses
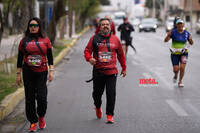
pixel 33 25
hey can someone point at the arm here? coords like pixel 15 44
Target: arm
pixel 190 40
pixel 131 28
pixel 168 37
pixel 20 59
pixel 88 52
pixel 119 28
pixel 121 59
pixel 50 61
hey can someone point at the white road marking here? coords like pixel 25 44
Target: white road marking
pixel 169 85
pixel 193 108
pixel 177 108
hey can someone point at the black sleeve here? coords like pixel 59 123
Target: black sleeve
pixel 50 56
pixel 132 28
pixel 119 28
pixel 20 59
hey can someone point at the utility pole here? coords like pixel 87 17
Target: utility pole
pixel 154 9
pixel 165 9
pixel 191 2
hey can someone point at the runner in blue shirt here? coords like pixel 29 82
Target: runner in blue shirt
pixel 179 49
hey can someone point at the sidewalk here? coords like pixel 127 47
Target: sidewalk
pixel 10 102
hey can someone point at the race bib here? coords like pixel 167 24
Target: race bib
pixel 34 60
pixel 105 56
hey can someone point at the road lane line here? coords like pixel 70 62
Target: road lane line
pixel 167 83
pixel 177 108
pixel 193 108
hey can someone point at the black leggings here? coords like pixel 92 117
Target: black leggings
pixel 99 83
pixel 35 89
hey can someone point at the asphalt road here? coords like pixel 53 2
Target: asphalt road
pixel 160 108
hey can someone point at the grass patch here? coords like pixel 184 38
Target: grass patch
pixel 59 46
pixel 7 84
pixel 8 80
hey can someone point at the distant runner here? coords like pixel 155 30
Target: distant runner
pixel 126 37
pixel 179 49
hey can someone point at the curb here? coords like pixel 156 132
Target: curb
pixel 11 101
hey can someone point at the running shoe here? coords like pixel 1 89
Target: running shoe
pixel 98 113
pixel 42 123
pixel 110 119
pixel 180 85
pixel 33 127
pixel 174 79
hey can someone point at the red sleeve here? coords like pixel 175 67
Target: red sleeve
pixel 121 56
pixel 88 50
pixel 113 28
pixel 97 29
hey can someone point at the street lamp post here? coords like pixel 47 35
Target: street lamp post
pixel 191 2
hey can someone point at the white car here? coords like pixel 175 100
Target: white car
pixel 169 24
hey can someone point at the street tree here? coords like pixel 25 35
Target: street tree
pixel 85 10
pixel 14 15
pixel 58 12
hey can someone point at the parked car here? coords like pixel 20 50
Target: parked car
pixel 148 24
pixel 169 24
pixel 198 27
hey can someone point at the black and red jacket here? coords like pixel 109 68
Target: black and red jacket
pixel 32 49
pixel 107 68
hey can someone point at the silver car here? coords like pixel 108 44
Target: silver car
pixel 147 24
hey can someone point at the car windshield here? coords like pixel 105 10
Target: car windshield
pixel 148 21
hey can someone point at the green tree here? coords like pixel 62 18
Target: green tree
pixel 85 10
pixel 15 15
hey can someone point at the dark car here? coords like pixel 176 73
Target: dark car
pixel 148 24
